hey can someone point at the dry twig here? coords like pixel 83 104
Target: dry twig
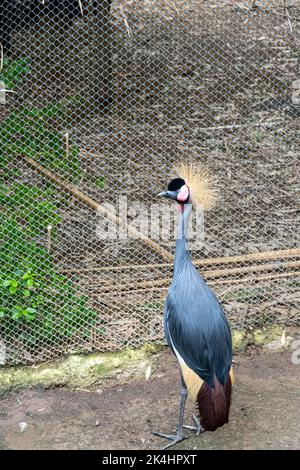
pixel 101 210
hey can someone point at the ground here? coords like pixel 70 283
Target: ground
pixel 265 411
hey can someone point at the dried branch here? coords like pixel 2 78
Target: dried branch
pixel 80 7
pixel 208 275
pixel 265 255
pixel 128 29
pixel 240 282
pixel 71 189
pixel 49 237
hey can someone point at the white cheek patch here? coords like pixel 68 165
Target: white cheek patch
pixel 183 193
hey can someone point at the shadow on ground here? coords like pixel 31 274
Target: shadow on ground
pixel 265 411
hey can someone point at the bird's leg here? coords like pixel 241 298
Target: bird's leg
pixel 198 428
pixel 179 433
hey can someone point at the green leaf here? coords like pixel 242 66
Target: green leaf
pixel 6 283
pixel 31 310
pixel 13 289
pixel 100 182
pixel 17 308
pixel 26 293
pixel 17 312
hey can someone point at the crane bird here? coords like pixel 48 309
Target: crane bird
pixel 195 325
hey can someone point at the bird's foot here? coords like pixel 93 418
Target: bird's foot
pixel 198 428
pixel 174 438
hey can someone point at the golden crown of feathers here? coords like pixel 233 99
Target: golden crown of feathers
pixel 201 182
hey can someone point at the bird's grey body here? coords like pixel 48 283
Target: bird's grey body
pixel 195 324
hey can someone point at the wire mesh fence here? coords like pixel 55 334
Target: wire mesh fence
pixel 98 101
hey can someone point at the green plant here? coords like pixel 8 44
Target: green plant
pixel 37 305
pixel 23 287
pixel 13 71
pixel 33 133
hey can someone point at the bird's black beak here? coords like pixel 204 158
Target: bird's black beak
pixel 169 194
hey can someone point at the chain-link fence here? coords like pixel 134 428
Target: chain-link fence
pixel 98 101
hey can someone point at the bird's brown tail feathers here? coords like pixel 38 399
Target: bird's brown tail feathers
pixel 213 404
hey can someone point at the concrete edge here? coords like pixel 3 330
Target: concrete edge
pixel 89 371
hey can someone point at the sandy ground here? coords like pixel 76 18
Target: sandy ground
pixel 265 411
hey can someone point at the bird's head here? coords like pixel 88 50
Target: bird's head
pixel 195 185
pixel 177 190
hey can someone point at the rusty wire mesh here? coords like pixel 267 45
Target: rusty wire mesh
pixel 98 100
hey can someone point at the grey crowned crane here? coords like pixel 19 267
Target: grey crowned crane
pixel 195 326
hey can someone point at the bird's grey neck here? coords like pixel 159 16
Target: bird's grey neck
pixel 181 236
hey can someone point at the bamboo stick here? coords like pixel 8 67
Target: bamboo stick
pixel 264 277
pixel 49 238
pixel 206 275
pixel 71 189
pixel 262 256
pixel 265 255
pixel 241 282
pixel 254 268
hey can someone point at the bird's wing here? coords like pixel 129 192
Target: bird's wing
pixel 197 330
